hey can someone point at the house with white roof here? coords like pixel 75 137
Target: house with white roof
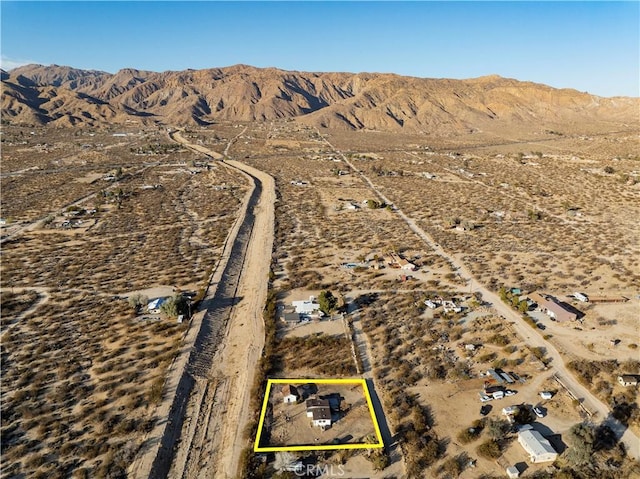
pixel 153 306
pixel 309 307
pixel 537 446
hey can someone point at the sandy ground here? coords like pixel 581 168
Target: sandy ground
pixel 210 387
pixel 533 338
pixel 291 426
pixel 247 327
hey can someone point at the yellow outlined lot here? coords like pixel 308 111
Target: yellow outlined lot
pixel 317 447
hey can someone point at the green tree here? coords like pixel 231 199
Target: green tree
pixel 581 437
pixel 524 415
pixel 327 302
pixel 174 306
pixel 498 428
pixel 523 307
pixel 489 450
pixel 137 301
pixel 373 204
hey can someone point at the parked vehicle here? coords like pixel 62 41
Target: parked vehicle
pixel 538 412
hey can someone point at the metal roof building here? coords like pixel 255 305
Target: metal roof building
pixel 539 448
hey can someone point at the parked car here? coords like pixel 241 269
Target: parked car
pixel 485 398
pixel 484 410
pixel 538 412
pixel 546 395
pixel 509 392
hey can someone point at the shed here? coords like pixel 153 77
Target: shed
pixel 290 394
pixel 513 472
pixel 495 376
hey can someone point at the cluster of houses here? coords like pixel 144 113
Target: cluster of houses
pixel 448 306
pixel 318 409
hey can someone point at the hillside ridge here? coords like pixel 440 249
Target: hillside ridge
pixel 66 96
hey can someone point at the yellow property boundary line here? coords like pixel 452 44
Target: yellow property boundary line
pixel 319 447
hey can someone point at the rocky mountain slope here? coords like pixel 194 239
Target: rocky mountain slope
pixel 64 96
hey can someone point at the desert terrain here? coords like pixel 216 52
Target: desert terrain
pixel 429 222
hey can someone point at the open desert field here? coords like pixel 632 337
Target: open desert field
pixel 137 213
pixel 82 371
pixel 511 213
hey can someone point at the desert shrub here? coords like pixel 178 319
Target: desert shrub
pixel 489 450
pixel 469 434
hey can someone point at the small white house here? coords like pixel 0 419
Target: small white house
pixel 290 394
pixel 310 306
pixel 546 395
pixel 513 472
pixel 627 380
pixel 406 265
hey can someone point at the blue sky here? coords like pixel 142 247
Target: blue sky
pixel 589 46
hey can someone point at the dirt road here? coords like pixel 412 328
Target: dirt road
pixel 203 416
pixel 532 337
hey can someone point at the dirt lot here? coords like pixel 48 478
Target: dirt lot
pixel 82 372
pixel 352 423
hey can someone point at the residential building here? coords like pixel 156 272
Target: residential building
pixel 319 411
pixel 537 446
pixel 552 309
pixel 308 306
pixel 627 380
pixel 153 306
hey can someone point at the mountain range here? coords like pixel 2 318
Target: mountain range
pixel 64 96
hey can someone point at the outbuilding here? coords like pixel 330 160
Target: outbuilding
pixel 290 394
pixel 513 472
pixel 627 380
